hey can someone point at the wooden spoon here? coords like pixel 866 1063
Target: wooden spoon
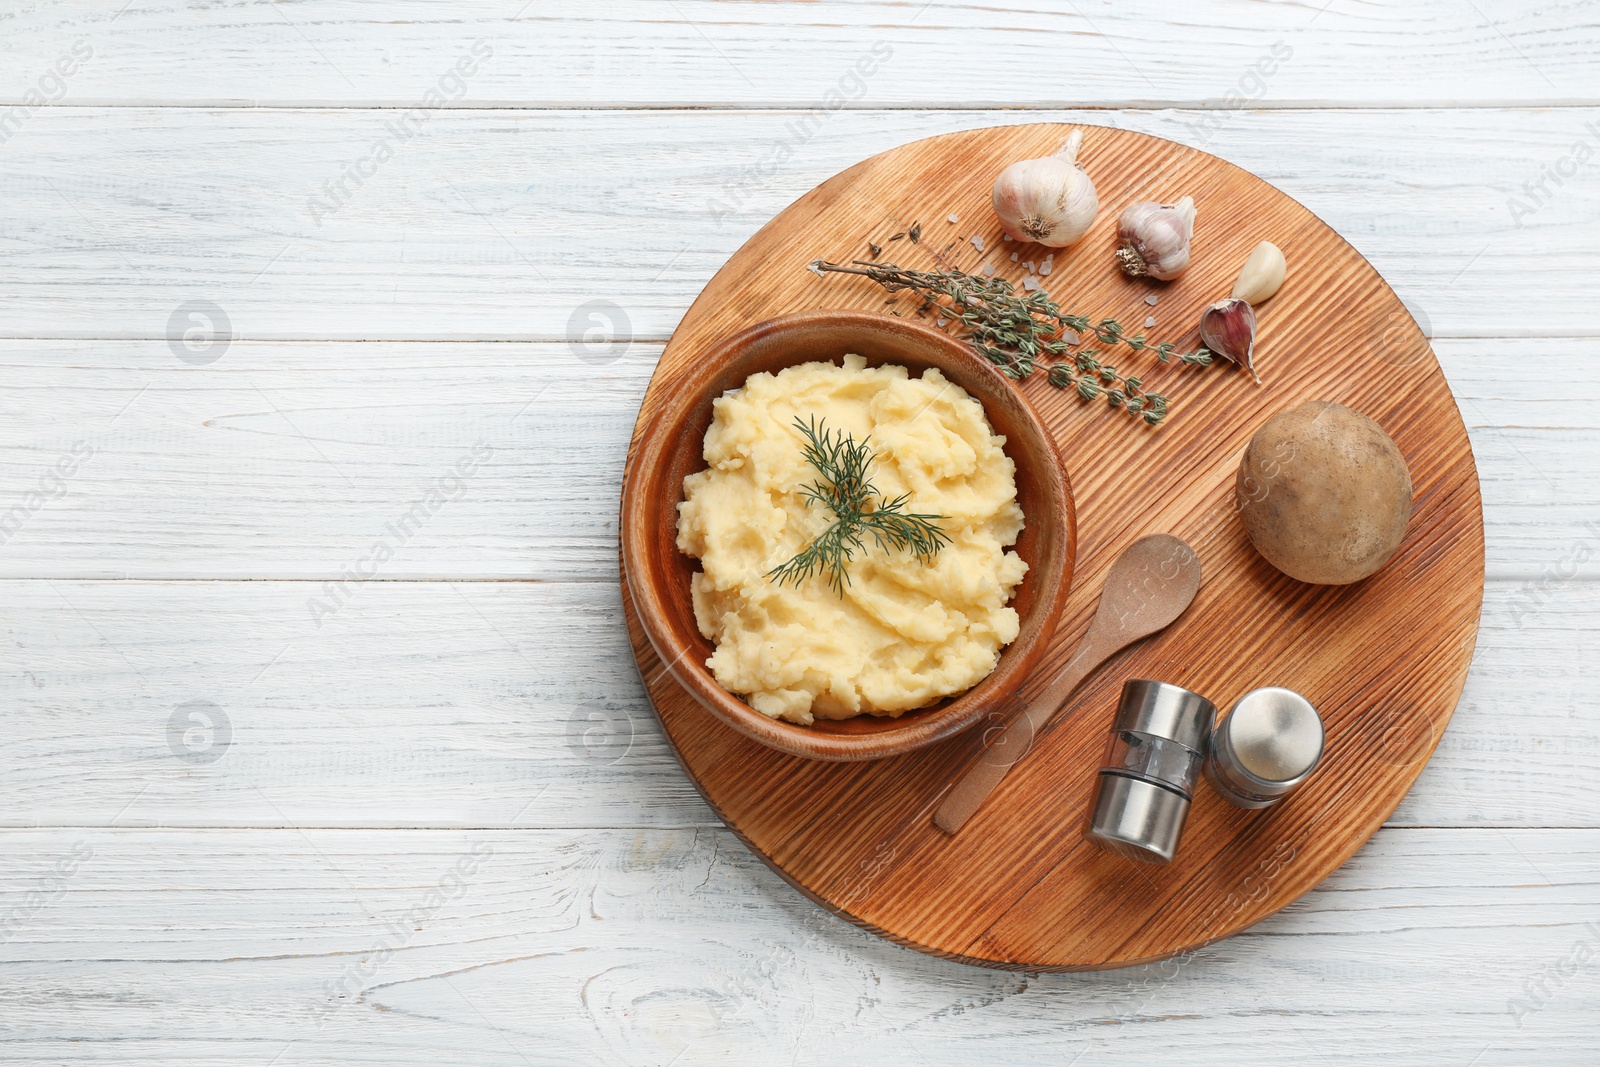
pixel 1148 586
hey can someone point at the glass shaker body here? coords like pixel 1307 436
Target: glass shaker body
pixel 1154 755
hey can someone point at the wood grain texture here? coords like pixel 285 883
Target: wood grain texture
pixel 254 451
pixel 705 53
pixel 1148 586
pixel 611 947
pixel 600 947
pixel 501 225
pixel 1384 660
pixel 455 704
pixel 293 460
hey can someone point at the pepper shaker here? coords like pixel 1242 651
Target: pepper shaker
pixel 1158 743
pixel 1269 743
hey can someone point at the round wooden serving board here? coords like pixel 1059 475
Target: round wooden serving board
pixel 1384 660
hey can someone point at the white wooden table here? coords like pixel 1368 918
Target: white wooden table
pixel 248 815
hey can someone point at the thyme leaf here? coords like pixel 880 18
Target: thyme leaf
pixel 1018 332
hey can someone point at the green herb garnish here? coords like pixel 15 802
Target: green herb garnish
pixel 858 509
pixel 1015 331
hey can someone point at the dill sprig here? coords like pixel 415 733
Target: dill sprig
pixel 1016 331
pixel 858 509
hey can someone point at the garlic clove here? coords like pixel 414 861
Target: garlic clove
pixel 1155 239
pixel 1263 272
pixel 1050 201
pixel 1228 328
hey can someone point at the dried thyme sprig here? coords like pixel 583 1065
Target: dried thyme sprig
pixel 857 508
pixel 1092 379
pixel 1015 331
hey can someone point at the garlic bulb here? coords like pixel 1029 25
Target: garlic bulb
pixel 1049 200
pixel 1261 274
pixel 1155 239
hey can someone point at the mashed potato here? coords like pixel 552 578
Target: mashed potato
pixel 906 632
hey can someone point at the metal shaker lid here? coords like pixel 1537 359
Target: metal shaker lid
pixel 1137 819
pixel 1169 711
pixel 1274 734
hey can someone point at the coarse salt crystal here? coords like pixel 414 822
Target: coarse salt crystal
pixel 953 220
pixel 977 242
pixel 938 322
pixel 1149 321
pixel 1005 237
pixel 1013 257
pixel 1046 267
pixel 988 270
pixel 1151 299
pixel 1030 283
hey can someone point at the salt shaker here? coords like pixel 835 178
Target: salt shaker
pixel 1267 746
pixel 1158 743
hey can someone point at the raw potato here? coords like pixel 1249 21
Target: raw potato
pixel 1324 493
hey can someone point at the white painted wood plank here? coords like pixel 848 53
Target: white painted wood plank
pixel 707 54
pixel 514 704
pixel 503 225
pixel 290 460
pixel 441 704
pixel 611 947
pixel 295 460
pixel 487 704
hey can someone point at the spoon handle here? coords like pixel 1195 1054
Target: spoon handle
pixel 974 787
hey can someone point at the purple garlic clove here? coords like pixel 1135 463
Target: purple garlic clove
pixel 1228 328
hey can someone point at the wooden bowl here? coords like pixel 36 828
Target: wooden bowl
pixel 671 448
